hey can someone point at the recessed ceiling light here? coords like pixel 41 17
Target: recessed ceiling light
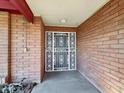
pixel 63 21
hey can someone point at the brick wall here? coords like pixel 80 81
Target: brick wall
pixel 4 29
pixel 28 63
pixel 101 47
pixel 63 29
pixel 42 50
pixel 15 35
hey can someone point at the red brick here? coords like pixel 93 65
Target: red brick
pixel 4 30
pixel 106 57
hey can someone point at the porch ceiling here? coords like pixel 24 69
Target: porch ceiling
pixel 73 11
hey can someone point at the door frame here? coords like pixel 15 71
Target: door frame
pixel 53 52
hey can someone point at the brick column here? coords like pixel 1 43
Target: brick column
pixel 4 33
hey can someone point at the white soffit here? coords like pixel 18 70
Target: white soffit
pixel 74 12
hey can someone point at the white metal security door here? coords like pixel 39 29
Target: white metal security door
pixel 60 51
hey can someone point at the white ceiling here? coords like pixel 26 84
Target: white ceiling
pixel 73 11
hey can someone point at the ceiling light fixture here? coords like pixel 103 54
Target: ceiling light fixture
pixel 63 21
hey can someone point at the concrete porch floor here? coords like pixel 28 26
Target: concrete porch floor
pixel 65 82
